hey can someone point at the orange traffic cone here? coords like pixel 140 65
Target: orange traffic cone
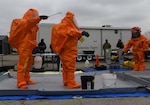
pixel 97 60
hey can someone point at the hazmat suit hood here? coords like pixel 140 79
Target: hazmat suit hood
pixel 136 32
pixel 69 19
pixel 136 28
pixel 31 13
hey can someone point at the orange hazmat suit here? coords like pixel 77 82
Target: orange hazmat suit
pixel 64 41
pixel 25 48
pixel 139 45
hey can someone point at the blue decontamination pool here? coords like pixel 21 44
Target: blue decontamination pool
pixel 49 85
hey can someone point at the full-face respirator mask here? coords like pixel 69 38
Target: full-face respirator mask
pixel 135 34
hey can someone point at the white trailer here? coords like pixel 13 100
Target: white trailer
pixel 98 35
pixel 93 44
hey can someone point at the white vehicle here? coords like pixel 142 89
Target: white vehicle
pixel 90 46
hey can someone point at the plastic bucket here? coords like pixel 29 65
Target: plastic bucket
pixel 109 80
pixel 87 82
pixel 37 62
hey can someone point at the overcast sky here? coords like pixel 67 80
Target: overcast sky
pixel 118 13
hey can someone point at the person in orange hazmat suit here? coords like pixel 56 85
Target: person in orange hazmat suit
pixel 139 44
pixel 64 42
pixel 25 48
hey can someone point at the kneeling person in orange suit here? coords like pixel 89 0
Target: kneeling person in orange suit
pixel 64 42
pixel 139 42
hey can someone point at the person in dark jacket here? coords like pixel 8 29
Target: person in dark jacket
pixel 120 44
pixel 106 46
pixel 42 46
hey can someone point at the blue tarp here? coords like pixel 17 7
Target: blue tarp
pixel 56 95
pixel 114 70
pixel 33 97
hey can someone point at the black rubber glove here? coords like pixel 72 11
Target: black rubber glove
pixel 43 17
pixel 85 33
